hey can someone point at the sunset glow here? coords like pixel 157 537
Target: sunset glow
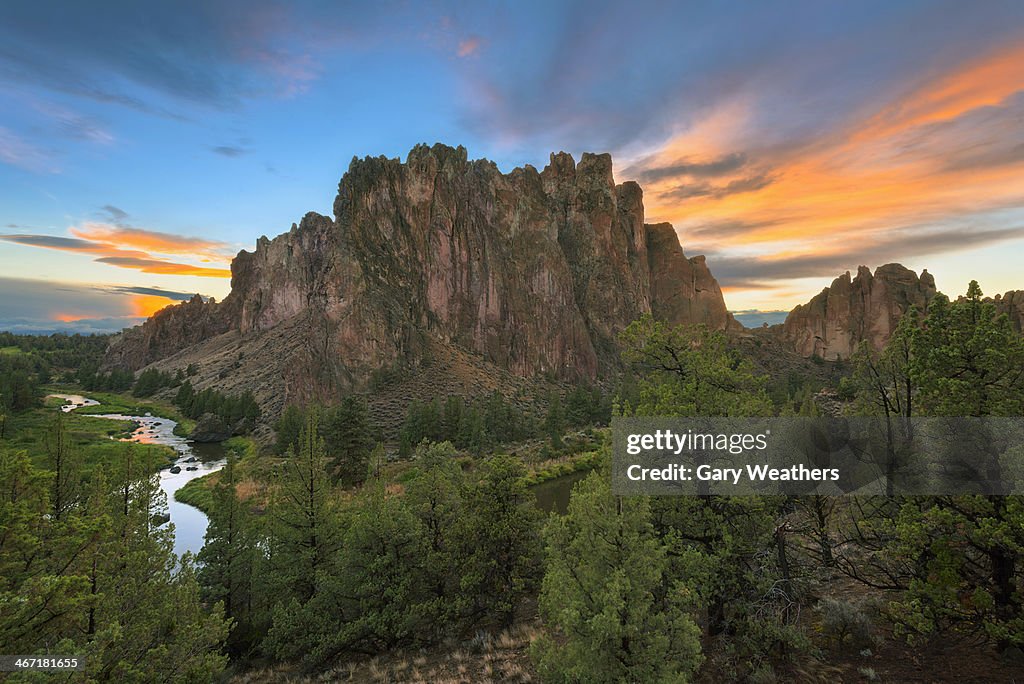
pixel 813 140
pixel 146 305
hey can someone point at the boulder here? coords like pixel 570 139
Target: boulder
pixel 210 428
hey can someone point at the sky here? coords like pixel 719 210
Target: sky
pixel 143 144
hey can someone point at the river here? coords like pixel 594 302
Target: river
pixel 553 495
pixel 194 460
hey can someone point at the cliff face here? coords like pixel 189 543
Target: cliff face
pixel 169 330
pixel 683 289
pixel 1012 304
pixel 867 307
pixel 535 272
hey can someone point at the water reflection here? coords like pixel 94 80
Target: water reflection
pixel 553 495
pixel 193 460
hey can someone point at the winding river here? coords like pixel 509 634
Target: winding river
pixel 194 460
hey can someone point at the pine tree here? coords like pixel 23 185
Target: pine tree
pixel 348 439
pixel 500 537
pixel 614 610
pixel 65 463
pixel 228 558
pixel 966 553
pixel 555 422
pixel 287 429
pixel 305 531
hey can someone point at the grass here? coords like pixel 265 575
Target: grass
pixel 560 467
pixel 96 440
pixel 10 350
pixel 199 492
pixel 503 658
pixel 125 403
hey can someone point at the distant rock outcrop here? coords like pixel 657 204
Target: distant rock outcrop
pixel 866 307
pixel 1012 304
pixel 534 272
pixel 168 331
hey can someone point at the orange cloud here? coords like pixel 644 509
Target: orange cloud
pixel 145 306
pixel 108 245
pixel 68 318
pixel 164 267
pixel 121 237
pixel 984 82
pixel 887 170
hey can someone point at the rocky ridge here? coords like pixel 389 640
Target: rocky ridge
pixel 866 307
pixel 532 272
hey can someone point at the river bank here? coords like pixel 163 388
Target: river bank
pixel 190 461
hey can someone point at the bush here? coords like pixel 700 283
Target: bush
pixel 844 620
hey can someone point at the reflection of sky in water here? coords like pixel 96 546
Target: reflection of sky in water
pixel 189 522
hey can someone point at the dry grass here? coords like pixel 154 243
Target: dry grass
pixel 504 658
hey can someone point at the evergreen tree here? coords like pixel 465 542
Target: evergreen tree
pixel 65 463
pixel 101 581
pixel 500 537
pixel 555 422
pixel 348 437
pixel 305 528
pixel 228 558
pixel 438 499
pixel 614 610
pixel 690 371
pixel 288 428
pixel 183 399
pixel 964 554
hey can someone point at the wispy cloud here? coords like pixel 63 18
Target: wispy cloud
pixel 468 46
pixel 125 246
pixel 127 237
pixel 737 272
pixel 17 151
pixel 229 151
pixel 164 267
pixel 725 164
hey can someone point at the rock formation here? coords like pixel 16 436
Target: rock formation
pixel 168 331
pixel 1012 304
pixel 683 289
pixel 867 307
pixel 534 272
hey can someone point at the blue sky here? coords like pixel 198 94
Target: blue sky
pixel 143 144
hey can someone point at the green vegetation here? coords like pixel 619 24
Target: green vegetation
pixel 320 576
pixel 202 491
pixel 954 565
pixel 241 413
pixel 83 570
pixel 127 405
pixel 484 426
pixel 346 431
pixel 328 550
pixel 95 439
pixel 615 610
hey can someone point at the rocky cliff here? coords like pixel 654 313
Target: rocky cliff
pixel 534 272
pixel 683 289
pixel 866 307
pixel 1012 304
